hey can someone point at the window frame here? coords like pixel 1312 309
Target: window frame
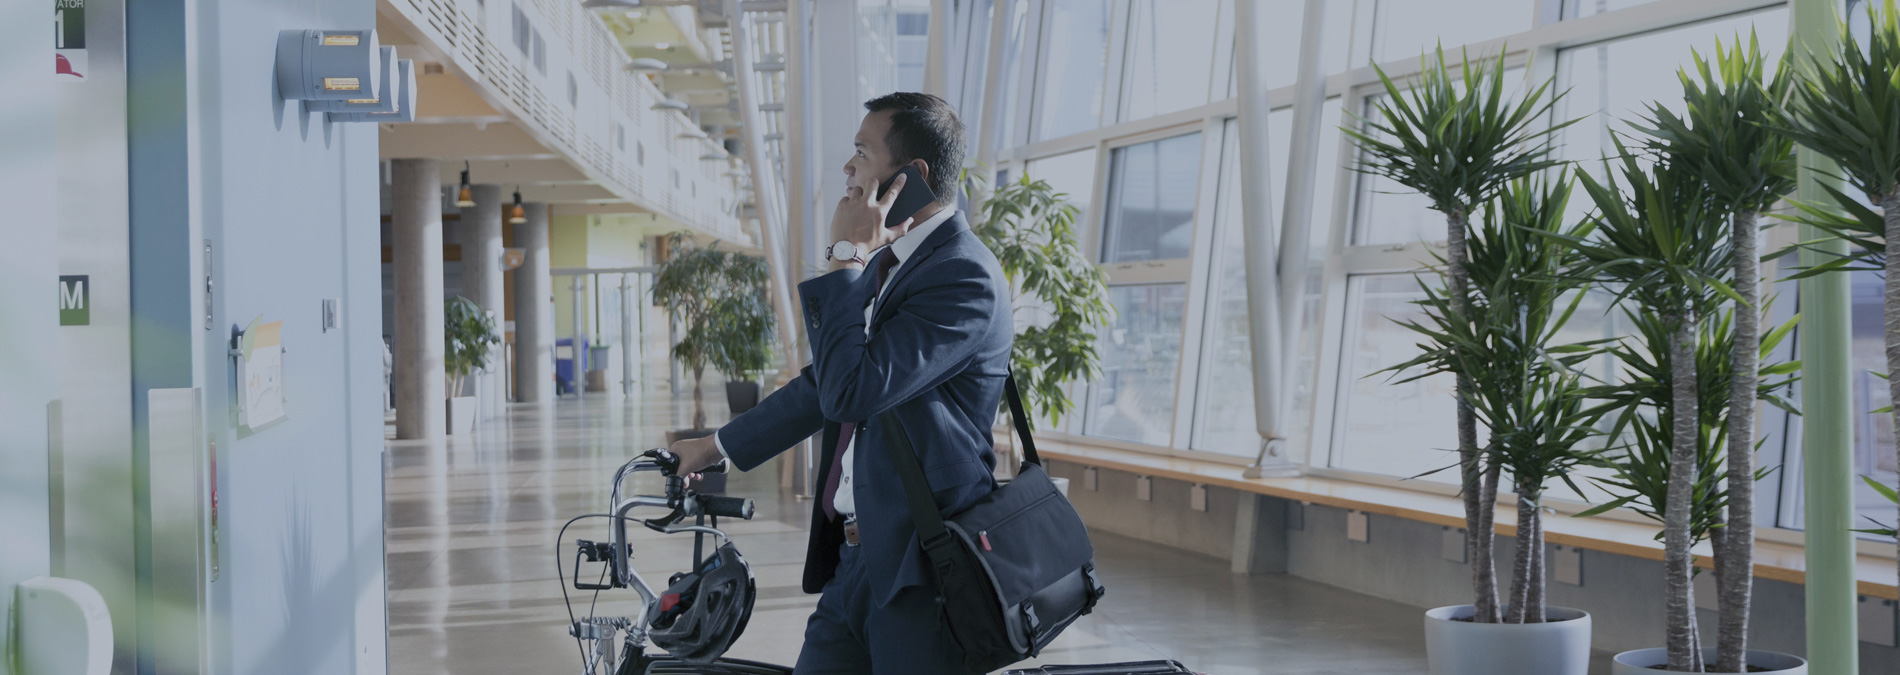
pixel 1534 49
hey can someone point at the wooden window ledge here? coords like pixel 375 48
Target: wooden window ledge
pixel 1773 560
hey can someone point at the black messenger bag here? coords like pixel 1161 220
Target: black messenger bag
pixel 1013 570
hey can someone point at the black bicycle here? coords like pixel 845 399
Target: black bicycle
pixel 702 611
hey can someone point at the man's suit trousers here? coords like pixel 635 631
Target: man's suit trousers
pixel 850 635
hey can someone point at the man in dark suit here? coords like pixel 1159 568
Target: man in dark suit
pixel 913 319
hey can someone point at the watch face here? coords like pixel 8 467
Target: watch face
pixel 844 250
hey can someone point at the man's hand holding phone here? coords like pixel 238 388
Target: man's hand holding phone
pixel 860 216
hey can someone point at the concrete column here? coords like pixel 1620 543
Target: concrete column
pixel 481 282
pixel 534 311
pixel 416 231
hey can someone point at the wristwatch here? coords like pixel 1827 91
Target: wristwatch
pixel 846 251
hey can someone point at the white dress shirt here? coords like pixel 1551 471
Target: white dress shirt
pixel 846 502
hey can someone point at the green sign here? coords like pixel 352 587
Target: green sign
pixel 75 301
pixel 69 24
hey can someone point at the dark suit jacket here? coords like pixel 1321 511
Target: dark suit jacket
pixel 938 354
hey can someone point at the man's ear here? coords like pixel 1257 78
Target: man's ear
pixel 922 167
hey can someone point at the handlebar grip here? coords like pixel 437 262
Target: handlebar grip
pixel 721 466
pixel 726 507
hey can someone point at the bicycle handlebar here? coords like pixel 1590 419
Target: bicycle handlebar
pixel 725 507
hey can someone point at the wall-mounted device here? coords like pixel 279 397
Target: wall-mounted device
pixel 402 91
pixel 64 627
pixel 383 100
pixel 328 65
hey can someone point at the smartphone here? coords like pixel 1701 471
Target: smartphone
pixel 914 198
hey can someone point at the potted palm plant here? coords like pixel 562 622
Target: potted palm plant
pixel 1747 167
pixel 741 338
pixel 1458 141
pixel 1848 110
pixel 1664 246
pixel 1059 296
pixel 714 296
pixel 469 336
pixel 1529 395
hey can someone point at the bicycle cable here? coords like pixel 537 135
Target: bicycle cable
pixel 560 573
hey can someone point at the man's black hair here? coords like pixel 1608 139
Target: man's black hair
pixel 924 127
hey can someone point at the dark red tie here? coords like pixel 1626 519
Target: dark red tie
pixel 885 262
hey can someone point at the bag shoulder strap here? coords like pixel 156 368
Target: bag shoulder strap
pixel 1022 420
pixel 923 505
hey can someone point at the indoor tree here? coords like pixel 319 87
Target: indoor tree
pixel 716 299
pixel 1847 108
pixel 740 341
pixel 469 336
pixel 1457 140
pixel 1031 229
pixel 1725 139
pixel 1527 392
pixel 1644 471
pixel 1660 244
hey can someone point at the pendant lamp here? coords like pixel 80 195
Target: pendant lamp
pixel 517 214
pixel 465 198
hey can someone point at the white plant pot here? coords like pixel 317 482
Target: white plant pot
pixel 1560 646
pixel 461 417
pixel 1642 662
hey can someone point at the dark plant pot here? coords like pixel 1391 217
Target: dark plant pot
pixel 710 484
pixel 742 396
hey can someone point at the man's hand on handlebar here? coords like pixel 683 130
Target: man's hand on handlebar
pixel 696 453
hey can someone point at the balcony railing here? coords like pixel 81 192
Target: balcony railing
pixel 577 42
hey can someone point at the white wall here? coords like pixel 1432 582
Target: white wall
pixel 27 301
pixel 290 204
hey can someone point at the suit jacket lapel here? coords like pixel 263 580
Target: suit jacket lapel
pixel 944 232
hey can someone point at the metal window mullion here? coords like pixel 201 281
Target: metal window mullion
pixel 1001 11
pixel 1199 286
pixel 1333 281
pixel 1211 272
pixel 1223 69
pixel 1035 38
pixel 1116 66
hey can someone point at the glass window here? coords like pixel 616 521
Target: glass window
pixel 1224 412
pixel 1577 9
pixel 1075 63
pixel 1381 427
pixel 1141 354
pixel 540 53
pixel 1170 56
pixel 1282 50
pixel 912 46
pixel 1389 213
pixel 1616 81
pixel 1152 190
pixel 1873 432
pixel 975 60
pixel 1224 408
pixel 1406 28
pixel 1072 174
pixel 1012 76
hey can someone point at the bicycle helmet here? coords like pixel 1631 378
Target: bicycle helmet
pixel 704 611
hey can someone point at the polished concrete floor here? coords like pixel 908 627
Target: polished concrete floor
pixel 472 564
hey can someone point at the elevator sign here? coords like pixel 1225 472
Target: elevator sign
pixel 75 300
pixel 69 40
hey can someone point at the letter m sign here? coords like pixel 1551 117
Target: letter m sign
pixel 75 301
